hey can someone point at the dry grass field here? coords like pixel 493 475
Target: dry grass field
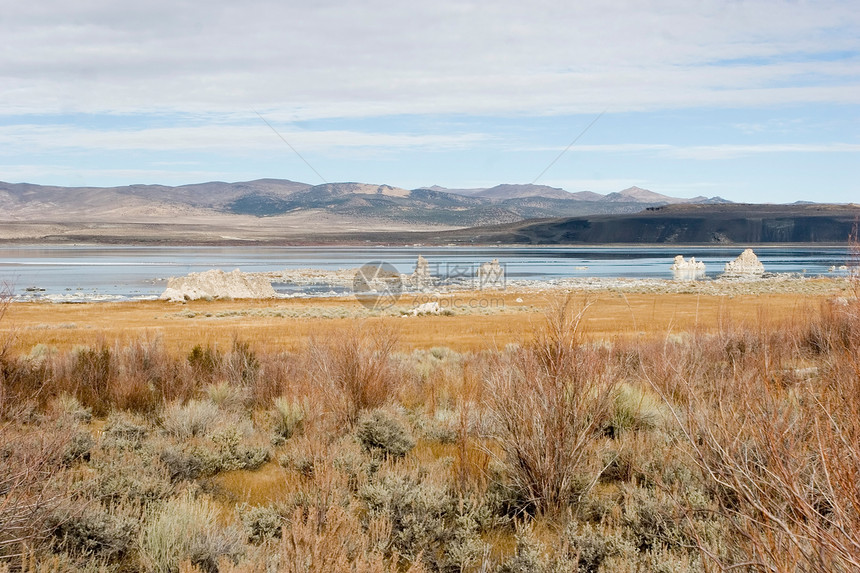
pixel 479 320
pixel 596 432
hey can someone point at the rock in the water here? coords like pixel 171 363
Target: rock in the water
pixel 682 264
pixel 747 264
pixel 684 269
pixel 491 274
pixel 216 283
pixel 421 277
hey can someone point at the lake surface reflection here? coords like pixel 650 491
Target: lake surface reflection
pixel 129 272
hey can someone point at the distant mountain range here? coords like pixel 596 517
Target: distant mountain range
pixel 282 212
pixel 629 195
pixel 727 224
pixel 374 205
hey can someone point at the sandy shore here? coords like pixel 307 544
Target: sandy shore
pixel 723 286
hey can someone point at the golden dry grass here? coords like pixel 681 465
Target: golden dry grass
pixel 287 324
pixel 267 484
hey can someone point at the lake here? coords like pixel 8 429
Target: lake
pixel 73 273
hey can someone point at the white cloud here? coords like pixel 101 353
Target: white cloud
pixel 337 59
pixel 612 148
pixel 76 176
pixel 180 81
pixel 16 139
pixel 708 152
pixel 730 151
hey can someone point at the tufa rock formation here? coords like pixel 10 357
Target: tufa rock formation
pixel 684 269
pixel 681 264
pixel 431 307
pixel 746 265
pixel 491 274
pixel 421 277
pixel 217 284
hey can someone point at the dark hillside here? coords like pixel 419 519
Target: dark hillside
pixel 701 224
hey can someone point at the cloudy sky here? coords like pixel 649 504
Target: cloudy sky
pixel 750 100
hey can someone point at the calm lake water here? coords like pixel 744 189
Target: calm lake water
pixel 127 272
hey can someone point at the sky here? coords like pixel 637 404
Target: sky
pixel 753 101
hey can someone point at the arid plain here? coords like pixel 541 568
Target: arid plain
pixel 474 320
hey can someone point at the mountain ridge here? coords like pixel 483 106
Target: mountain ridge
pixel 630 195
pixel 681 223
pixel 377 205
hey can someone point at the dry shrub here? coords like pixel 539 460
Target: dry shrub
pixel 27 382
pixel 589 547
pixel 145 370
pixel 8 370
pixel 33 484
pixel 206 447
pixel 92 371
pixel 186 529
pixel 264 376
pixel 354 370
pixel 472 461
pixel 288 417
pixel 684 370
pixel 836 330
pixel 22 382
pixel 261 523
pixel 582 548
pixel 384 433
pixel 97 532
pixel 67 406
pixel 425 521
pixel 229 398
pixel 550 402
pixel 279 373
pixel 135 395
pixel 557 343
pixel 194 418
pixel 241 365
pixel 135 377
pixel 784 464
pixel 127 476
pixel 231 453
pixel 334 541
pixel 205 363
pixel 634 408
pixel 432 378
pixel 124 431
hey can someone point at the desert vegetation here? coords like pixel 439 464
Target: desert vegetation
pixel 729 448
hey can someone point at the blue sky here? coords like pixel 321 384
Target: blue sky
pixel 753 101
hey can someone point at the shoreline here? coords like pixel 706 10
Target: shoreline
pixel 770 283
pixel 308 282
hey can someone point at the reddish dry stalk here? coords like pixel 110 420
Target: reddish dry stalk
pixel 354 371
pixel 784 459
pixel 549 402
